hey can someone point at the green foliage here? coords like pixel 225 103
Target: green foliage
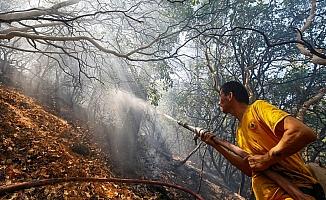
pixel 164 73
pixel 298 84
pixel 195 2
pixel 153 94
pixel 180 12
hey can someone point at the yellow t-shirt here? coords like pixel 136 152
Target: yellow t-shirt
pixel 255 135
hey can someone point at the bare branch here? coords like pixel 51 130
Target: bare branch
pixel 13 34
pixel 176 1
pixel 212 71
pixel 310 48
pixel 33 27
pixel 317 58
pixel 33 13
pixel 101 12
pixel 53 38
pixel 311 101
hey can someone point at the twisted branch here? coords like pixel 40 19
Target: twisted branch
pixel 317 58
pixel 310 102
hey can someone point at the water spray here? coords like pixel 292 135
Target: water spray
pixel 168 116
pixel 197 130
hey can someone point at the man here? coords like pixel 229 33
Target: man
pixel 273 140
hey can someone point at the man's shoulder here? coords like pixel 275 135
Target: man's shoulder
pixel 261 105
pixel 260 102
pixel 264 107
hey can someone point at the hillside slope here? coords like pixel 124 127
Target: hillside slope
pixel 35 144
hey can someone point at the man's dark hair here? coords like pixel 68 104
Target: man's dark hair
pixel 239 91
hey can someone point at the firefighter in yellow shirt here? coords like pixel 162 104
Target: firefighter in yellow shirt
pixel 273 140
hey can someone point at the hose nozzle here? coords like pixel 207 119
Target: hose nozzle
pixel 197 130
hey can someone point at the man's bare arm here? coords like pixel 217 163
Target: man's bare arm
pixel 236 160
pixel 294 135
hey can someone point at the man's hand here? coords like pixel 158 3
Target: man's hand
pixel 261 162
pixel 206 137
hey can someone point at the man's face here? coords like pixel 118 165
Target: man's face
pixel 224 102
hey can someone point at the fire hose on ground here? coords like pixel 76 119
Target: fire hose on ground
pixel 38 183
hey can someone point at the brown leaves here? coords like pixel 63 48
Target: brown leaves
pixel 35 144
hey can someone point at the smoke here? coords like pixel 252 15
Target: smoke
pixel 123 118
pixel 120 102
pixel 136 135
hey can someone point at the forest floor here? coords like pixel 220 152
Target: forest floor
pixel 36 145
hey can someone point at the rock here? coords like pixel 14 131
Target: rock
pixel 80 149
